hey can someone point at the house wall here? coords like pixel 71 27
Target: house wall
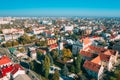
pixel 101 71
pixel 18 72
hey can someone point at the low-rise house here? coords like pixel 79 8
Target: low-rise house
pixel 5 61
pixel 48 33
pixel 53 46
pixel 18 54
pixel 76 47
pixel 86 42
pixel 68 28
pixel 32 52
pixel 51 41
pixel 93 69
pixel 105 58
pixel 38 30
pixel 9 70
pixel 87 55
pixel 13 31
pixel 17 70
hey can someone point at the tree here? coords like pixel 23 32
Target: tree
pixel 51 59
pixel 24 39
pixel 28 30
pixel 72 69
pixel 21 49
pixel 54 54
pixel 56 75
pixel 74 36
pixel 33 37
pixel 41 43
pixel 65 70
pixel 8 44
pixel 39 54
pixel 46 66
pixel 66 54
pixel 32 65
pixel 77 63
pixel 15 43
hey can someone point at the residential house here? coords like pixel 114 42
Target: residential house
pixel 48 33
pixel 87 55
pixel 8 69
pixel 38 30
pixel 93 69
pixel 32 52
pixel 68 28
pixel 53 46
pixel 76 47
pixel 17 70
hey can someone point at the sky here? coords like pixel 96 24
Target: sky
pixel 60 8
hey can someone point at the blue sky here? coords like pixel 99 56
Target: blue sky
pixel 59 7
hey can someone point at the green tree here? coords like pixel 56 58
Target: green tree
pixel 72 69
pixel 32 65
pixel 54 54
pixel 51 59
pixel 65 70
pixel 56 75
pixel 46 66
pixel 39 54
pixel 77 63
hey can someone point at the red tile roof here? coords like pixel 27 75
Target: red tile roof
pixel 91 66
pixel 5 70
pixel 97 49
pixel 96 60
pixel 4 60
pixel 110 52
pixel 53 46
pixel 87 54
pixel 86 40
pixel 9 69
pixel 16 68
pixel 104 57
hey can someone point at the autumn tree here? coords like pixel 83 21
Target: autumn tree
pixel 21 49
pixel 66 54
pixel 33 37
pixel 15 43
pixel 8 44
pixel 56 75
pixel 41 43
pixel 24 39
